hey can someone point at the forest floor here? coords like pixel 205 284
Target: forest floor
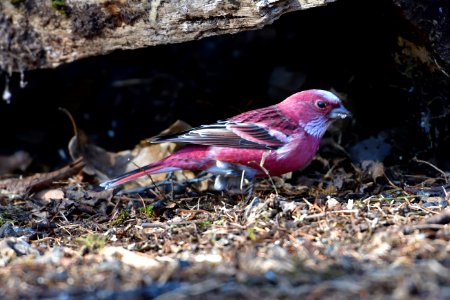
pixel 331 231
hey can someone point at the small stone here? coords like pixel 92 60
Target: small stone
pixel 48 195
pixel 331 202
pixel 7 230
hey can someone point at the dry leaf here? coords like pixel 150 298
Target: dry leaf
pixel 36 182
pixel 106 165
pixel 373 168
pixel 20 160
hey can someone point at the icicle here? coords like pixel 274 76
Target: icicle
pixel 23 83
pixel 6 93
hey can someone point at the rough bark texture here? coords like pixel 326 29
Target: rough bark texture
pixel 46 33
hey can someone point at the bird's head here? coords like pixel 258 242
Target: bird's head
pixel 314 110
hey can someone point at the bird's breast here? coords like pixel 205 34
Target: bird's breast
pixel 295 154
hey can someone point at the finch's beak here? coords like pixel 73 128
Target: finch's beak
pixel 339 113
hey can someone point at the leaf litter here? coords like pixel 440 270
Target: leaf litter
pixel 341 228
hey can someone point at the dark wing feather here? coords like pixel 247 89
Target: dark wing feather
pixel 226 134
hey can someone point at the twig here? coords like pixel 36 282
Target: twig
pixel 261 165
pixel 433 166
pixel 150 177
pixel 373 199
pixel 390 182
pixel 64 217
pixel 409 229
pixel 168 224
pixel 323 214
pixel 313 216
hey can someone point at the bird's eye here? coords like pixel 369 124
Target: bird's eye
pixel 321 104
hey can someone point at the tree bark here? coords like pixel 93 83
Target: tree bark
pixel 46 33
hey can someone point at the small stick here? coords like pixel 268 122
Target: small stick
pixel 261 165
pixel 433 166
pixel 151 179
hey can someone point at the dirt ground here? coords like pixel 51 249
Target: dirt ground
pixel 340 234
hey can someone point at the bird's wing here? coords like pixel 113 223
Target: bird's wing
pixel 229 134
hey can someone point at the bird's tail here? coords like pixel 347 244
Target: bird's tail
pixel 149 169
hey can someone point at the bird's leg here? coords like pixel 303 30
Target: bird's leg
pixel 250 189
pixel 172 190
pixel 261 165
pixel 232 178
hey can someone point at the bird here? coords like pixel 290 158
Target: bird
pixel 268 141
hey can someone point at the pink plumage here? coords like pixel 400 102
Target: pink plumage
pixel 277 139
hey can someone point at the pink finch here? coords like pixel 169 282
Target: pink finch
pixel 268 141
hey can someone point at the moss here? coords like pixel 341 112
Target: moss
pixel 61 6
pixel 148 211
pixel 6 217
pixel 123 215
pixel 205 223
pixel 251 233
pixel 93 241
